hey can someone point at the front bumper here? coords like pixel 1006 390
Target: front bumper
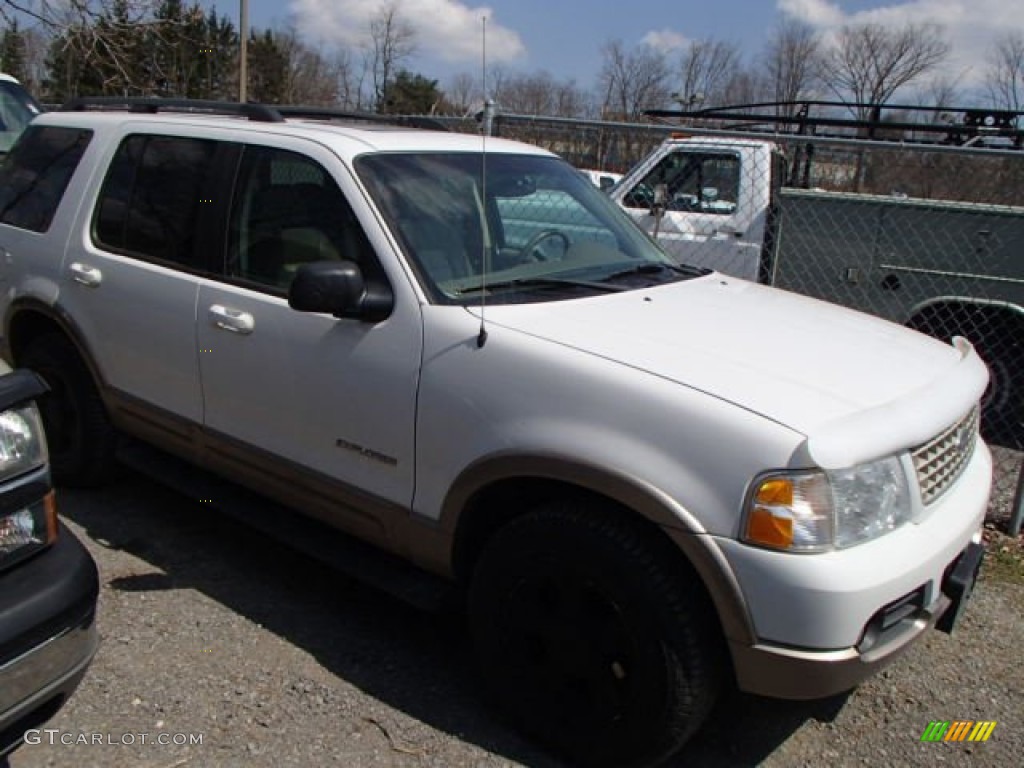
pixel 47 634
pixel 816 618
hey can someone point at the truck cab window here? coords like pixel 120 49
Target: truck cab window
pixel 696 182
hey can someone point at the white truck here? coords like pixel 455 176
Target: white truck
pixel 945 268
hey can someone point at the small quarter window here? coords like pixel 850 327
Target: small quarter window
pixel 152 195
pixel 35 174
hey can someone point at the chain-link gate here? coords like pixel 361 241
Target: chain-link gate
pixel 929 236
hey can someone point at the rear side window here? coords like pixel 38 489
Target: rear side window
pixel 150 200
pixel 35 174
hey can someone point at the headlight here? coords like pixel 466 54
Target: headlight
pixel 22 444
pixel 814 511
pixel 27 530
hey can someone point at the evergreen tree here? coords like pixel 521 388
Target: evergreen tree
pixel 268 68
pixel 117 54
pixel 12 52
pixel 69 73
pixel 411 94
pixel 219 58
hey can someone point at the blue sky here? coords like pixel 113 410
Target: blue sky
pixel 564 37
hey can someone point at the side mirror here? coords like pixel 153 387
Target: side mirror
pixel 338 288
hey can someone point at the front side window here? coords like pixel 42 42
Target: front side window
pixel 36 173
pixel 151 198
pixel 698 182
pixel 287 212
pixel 520 228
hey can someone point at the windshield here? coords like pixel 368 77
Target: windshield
pixel 17 109
pixel 523 228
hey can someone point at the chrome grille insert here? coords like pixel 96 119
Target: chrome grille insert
pixel 940 461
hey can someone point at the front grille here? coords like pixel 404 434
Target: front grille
pixel 940 461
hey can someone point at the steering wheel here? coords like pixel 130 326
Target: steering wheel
pixel 531 244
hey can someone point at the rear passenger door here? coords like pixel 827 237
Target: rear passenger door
pixel 315 410
pixel 131 278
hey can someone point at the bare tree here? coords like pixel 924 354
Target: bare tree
pixel 392 42
pixel 350 80
pixel 311 77
pixel 868 63
pixel 941 93
pixel 632 81
pixel 791 64
pixel 462 93
pixel 708 67
pixel 1005 75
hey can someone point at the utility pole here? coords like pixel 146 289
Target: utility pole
pixel 243 54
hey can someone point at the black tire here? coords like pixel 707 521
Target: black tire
pixel 1001 346
pixel 999 340
pixel 595 638
pixel 81 440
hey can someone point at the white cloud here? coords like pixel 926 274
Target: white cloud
pixel 447 29
pixel 971 25
pixel 665 40
pixel 817 13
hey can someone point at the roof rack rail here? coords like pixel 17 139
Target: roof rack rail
pixel 151 105
pixel 329 113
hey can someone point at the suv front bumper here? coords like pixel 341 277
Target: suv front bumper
pixel 824 623
pixel 47 634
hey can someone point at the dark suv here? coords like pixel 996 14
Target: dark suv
pixel 48 581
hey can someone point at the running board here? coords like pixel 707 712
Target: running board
pixel 339 551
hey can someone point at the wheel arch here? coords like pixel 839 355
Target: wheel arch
pixel 494 491
pixel 996 329
pixel 950 306
pixel 29 318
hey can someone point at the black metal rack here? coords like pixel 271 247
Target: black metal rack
pixel 151 105
pixel 956 126
pixel 329 113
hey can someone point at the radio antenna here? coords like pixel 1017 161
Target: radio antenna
pixel 485 257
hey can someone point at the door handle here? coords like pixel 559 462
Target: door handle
pixel 86 275
pixel 233 320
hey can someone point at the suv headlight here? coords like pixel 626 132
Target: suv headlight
pixel 22 449
pixel 22 442
pixel 818 510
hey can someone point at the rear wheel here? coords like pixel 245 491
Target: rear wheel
pixel 593 636
pixel 80 437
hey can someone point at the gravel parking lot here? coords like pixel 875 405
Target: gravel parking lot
pixel 219 635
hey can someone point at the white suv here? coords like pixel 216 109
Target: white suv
pixel 650 480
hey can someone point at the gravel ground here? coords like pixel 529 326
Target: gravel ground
pixel 220 634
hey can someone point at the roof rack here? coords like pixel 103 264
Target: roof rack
pixel 263 113
pixel 260 113
pixel 329 113
pixel 959 126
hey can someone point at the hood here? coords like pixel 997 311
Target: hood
pixel 798 361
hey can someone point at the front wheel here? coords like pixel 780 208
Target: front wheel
pixel 79 435
pixel 594 636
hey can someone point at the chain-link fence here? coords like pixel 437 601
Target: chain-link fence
pixel 929 236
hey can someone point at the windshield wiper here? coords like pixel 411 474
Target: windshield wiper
pixel 656 268
pixel 540 282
